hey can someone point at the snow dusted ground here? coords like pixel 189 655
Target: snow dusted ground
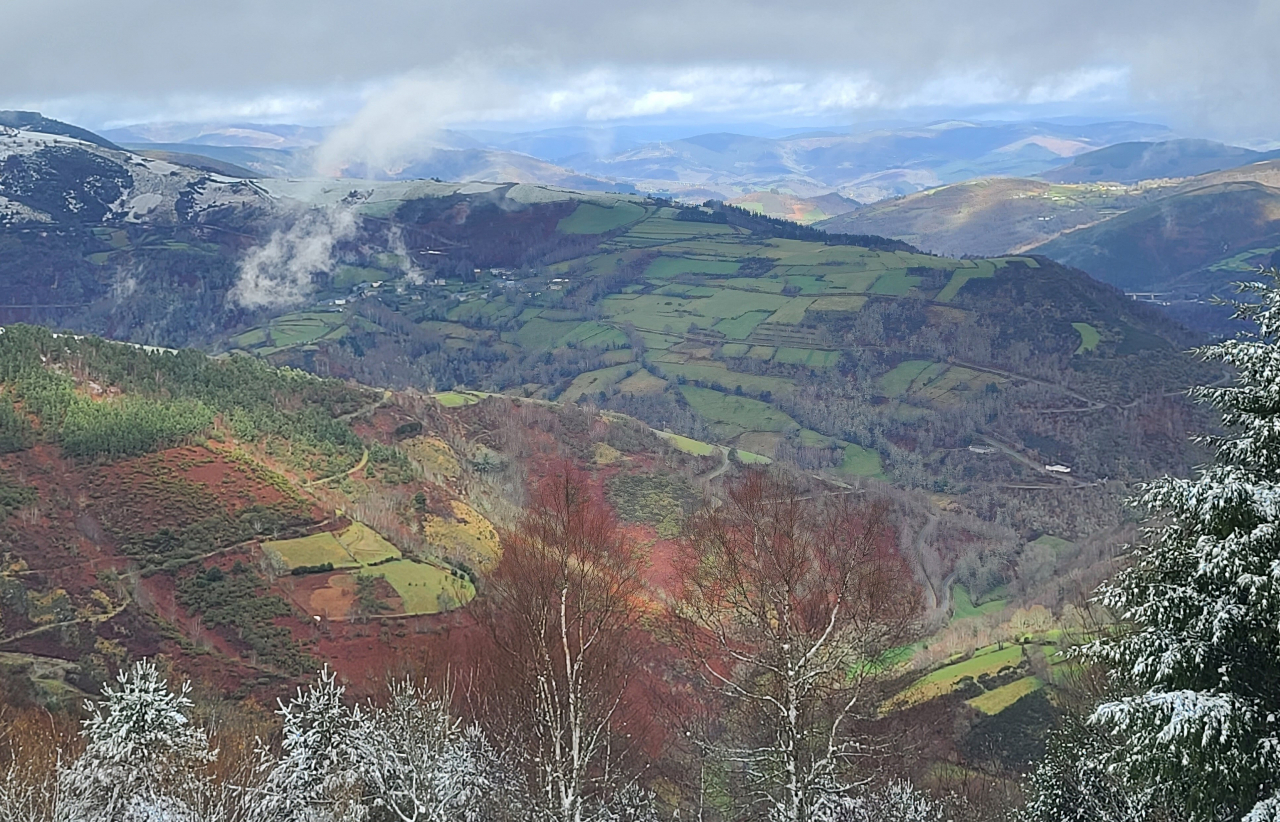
pixel 152 193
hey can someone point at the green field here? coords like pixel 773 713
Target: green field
pixel 736 414
pixel 696 447
pixel 995 701
pixel 898 381
pixel 365 545
pixel 1089 337
pixel 591 382
pixel 962 606
pixel 589 218
pixel 895 283
pixel 861 462
pixel 739 328
pixel 353 547
pixel 807 356
pixel 668 267
pixel 985 268
pixel 539 334
pixel 838 303
pixel 719 375
pixel 317 549
pixel 454 399
pixel 792 312
pixel 988 660
pixel 425 588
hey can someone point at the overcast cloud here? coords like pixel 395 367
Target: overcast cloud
pixel 1206 67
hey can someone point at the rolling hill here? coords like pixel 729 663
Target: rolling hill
pixel 1196 240
pixel 863 166
pixel 1135 161
pixel 1185 239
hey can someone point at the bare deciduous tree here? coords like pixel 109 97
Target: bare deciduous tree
pixel 563 607
pixel 790 605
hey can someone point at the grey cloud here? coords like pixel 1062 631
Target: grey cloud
pixel 1212 63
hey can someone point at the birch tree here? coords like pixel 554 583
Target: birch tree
pixel 788 608
pixel 563 607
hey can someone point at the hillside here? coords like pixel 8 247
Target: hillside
pixel 1195 241
pixel 804 211
pixel 166 502
pixel 1134 161
pixel 992 215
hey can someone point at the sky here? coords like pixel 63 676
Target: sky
pixel 386 72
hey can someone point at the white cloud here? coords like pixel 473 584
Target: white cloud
pixel 279 273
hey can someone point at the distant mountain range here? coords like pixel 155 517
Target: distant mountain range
pixel 864 166
pixel 1135 161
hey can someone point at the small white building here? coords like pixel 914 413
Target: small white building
pixel 1058 469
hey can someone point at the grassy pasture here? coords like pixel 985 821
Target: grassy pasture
pixel 898 381
pixel 454 399
pixel 538 334
pixel 590 218
pixel 735 349
pixel 591 382
pixel 838 304
pixel 895 283
pixel 755 284
pixel 807 356
pixel 861 462
pixel 944 680
pixel 762 352
pixel 720 375
pixel 250 338
pixel 690 446
pixel 728 302
pixel 808 284
pixel 984 268
pixel 642 382
pixel 365 545
pixel 995 701
pixel 741 413
pixel 739 328
pixel 594 335
pixel 852 281
pixel 792 312
pixel 316 549
pixel 1089 337
pixel 962 606
pixel 657 231
pixel 426 588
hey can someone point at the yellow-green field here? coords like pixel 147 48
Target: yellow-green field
pixel 426 588
pixel 352 547
pixel 987 660
pixel 317 549
pixel 995 701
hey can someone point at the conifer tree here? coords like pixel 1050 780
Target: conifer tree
pixel 1199 650
pixel 142 753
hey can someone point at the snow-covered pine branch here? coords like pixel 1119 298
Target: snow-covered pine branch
pixel 1199 651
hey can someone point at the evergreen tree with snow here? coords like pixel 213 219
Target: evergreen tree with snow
pixel 142 757
pixel 423 765
pixel 318 778
pixel 1199 647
